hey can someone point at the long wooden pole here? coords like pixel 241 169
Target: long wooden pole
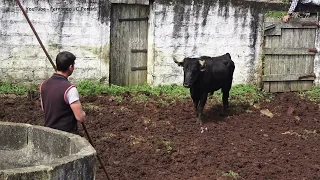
pixel 91 142
pixel 54 67
pixel 36 34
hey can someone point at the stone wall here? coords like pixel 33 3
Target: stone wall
pixel 76 26
pixel 213 29
pixel 176 27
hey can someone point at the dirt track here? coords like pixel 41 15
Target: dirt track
pixel 155 141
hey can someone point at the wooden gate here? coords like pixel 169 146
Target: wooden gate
pixel 288 65
pixel 128 44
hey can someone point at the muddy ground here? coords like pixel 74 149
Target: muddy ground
pixel 161 140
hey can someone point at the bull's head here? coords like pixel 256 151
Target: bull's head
pixel 192 67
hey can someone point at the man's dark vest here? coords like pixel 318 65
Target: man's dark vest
pixel 57 111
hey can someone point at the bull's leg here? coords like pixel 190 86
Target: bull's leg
pixel 225 98
pixel 195 99
pixel 203 101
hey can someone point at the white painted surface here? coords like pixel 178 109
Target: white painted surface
pixel 78 31
pixel 82 32
pixel 219 36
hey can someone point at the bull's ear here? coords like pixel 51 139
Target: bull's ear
pixel 202 65
pixel 180 63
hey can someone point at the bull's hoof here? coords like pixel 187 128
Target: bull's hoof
pixel 200 120
pixel 224 112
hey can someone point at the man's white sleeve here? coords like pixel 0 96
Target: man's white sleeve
pixel 72 95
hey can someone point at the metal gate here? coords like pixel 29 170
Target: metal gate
pixel 288 64
pixel 128 44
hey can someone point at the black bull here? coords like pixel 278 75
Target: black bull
pixel 205 75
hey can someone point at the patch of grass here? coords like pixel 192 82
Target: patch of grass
pixel 18 89
pixel 140 98
pixel 245 94
pixel 90 87
pixel 231 174
pixel 168 94
pixel 118 98
pixel 313 94
pixel 275 14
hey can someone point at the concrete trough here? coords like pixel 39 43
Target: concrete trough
pixel 36 152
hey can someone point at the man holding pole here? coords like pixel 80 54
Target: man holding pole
pixel 296 4
pixel 60 99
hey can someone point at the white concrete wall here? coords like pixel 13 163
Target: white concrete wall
pixel 191 29
pixel 184 31
pixel 76 30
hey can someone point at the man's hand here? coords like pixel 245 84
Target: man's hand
pixel 286 18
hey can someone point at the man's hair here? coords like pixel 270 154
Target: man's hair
pixel 64 60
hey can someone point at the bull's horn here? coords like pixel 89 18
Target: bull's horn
pixel 201 62
pixel 176 60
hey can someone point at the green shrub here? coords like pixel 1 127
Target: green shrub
pixel 11 88
pixel 244 93
pixel 313 94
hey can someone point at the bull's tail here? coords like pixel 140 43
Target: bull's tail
pixel 230 66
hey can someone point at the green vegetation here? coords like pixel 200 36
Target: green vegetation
pixel 142 91
pixel 231 174
pixel 313 94
pixel 169 93
pixel 244 94
pixel 9 88
pixel 275 14
pixel 240 93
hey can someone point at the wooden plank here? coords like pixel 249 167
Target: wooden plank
pixel 143 38
pixel 300 69
pixel 309 68
pixel 281 71
pixel 293 64
pixel 274 87
pixel 134 44
pixel 285 77
pixel 276 43
pixel 269 41
pixel 116 70
pixel 134 19
pixel 287 51
pixel 274 70
pixel 266 86
pixel 272 29
pixel 139 68
pixel 289 58
pixel 286 84
pixel 266 71
pixel 139 50
pixel 125 46
pixel 309 61
pixel 295 25
pixel 138 45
